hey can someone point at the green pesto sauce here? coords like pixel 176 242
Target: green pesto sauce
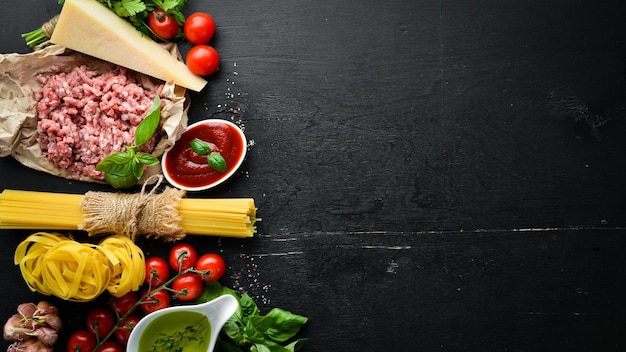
pixel 182 331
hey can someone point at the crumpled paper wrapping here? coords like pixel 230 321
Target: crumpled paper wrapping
pixel 18 112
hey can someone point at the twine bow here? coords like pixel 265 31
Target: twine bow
pixel 145 213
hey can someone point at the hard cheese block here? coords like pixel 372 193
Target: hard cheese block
pixel 90 28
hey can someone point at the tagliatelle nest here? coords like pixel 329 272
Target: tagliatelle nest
pixel 54 264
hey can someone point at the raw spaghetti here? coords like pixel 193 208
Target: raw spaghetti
pixel 167 215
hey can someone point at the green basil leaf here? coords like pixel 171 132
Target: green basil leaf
pixel 214 289
pixel 296 345
pixel 118 158
pixel 274 347
pixel 138 169
pixel 280 325
pixel 146 159
pixel 121 169
pixel 200 147
pixel 248 306
pixel 253 334
pixel 217 162
pixel 130 150
pixel 148 126
pixel 120 181
pixel 233 331
pixel 120 175
pixel 258 347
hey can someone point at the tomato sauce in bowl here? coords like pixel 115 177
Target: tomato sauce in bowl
pixel 185 169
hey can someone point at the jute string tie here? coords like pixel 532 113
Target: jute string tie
pixel 47 29
pixel 144 213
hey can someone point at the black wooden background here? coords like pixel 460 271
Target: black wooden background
pixel 432 175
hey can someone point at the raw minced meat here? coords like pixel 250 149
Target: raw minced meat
pixel 85 115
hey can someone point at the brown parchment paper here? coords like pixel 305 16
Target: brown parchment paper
pixel 18 113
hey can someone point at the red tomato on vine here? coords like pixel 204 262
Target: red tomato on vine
pixel 111 346
pixel 157 271
pixel 188 287
pixel 122 305
pixel 162 24
pixel 182 257
pixel 211 266
pixel 158 300
pixel 101 321
pixel 124 328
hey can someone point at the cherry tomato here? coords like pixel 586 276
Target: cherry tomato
pixel 211 266
pixel 163 24
pixel 101 321
pixel 124 304
pixel 111 346
pixel 184 254
pixel 159 300
pixel 188 287
pixel 199 28
pixel 203 60
pixel 126 326
pixel 157 271
pixel 81 341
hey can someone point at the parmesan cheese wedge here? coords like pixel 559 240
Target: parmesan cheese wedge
pixel 90 28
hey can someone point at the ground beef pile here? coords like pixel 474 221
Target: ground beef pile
pixel 85 115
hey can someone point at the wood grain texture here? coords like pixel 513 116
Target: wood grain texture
pixel 432 175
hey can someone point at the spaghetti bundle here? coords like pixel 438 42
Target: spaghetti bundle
pixel 167 215
pixel 53 264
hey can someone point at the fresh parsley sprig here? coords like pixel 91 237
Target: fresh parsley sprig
pixel 124 169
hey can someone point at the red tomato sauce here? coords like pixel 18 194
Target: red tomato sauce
pixel 189 169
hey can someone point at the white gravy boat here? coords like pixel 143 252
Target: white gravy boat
pixel 187 326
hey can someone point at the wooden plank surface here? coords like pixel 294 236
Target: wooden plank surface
pixel 432 175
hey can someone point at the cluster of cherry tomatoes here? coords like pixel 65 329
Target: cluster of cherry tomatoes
pixel 180 277
pixel 199 27
pixel 187 286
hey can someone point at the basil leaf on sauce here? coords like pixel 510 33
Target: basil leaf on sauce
pixel 217 162
pixel 200 147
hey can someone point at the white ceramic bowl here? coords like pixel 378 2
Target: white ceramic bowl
pixel 233 165
pixel 163 323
